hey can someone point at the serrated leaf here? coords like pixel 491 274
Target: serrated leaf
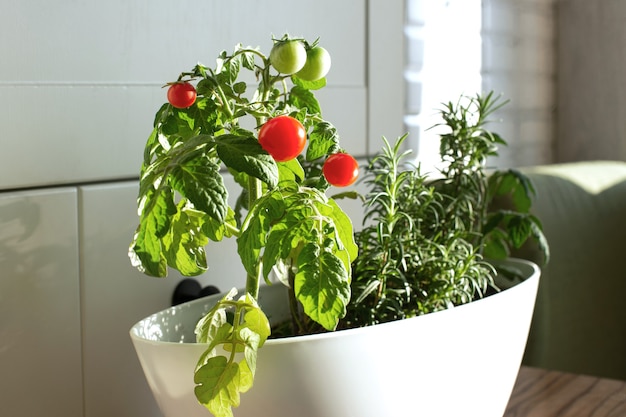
pixel 206 86
pixel 250 243
pixel 256 321
pixel 216 231
pixel 256 227
pixel 290 171
pixel 247 60
pixel 233 67
pixel 274 248
pixel 322 285
pixel 184 243
pixel 309 85
pixel 323 140
pixel 302 98
pixel 146 252
pixel 214 326
pixel 344 229
pixel 217 386
pixel 152 147
pixel 199 180
pixel 219 379
pixel 245 154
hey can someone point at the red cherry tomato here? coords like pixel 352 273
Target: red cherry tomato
pixel 283 137
pixel 181 95
pixel 341 169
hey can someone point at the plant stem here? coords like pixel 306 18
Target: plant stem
pixel 253 282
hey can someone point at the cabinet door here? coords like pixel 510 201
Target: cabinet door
pixel 40 340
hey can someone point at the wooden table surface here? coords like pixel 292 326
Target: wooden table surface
pixel 542 393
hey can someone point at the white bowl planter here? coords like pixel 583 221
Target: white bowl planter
pixel 458 362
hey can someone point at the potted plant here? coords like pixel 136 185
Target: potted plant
pixel 422 250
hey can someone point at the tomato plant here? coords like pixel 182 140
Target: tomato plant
pixel 181 95
pixel 283 137
pixel 283 221
pixel 317 64
pixel 288 56
pixel 341 169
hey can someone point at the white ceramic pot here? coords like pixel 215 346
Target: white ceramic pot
pixel 458 362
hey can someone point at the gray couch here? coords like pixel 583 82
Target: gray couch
pixel 580 317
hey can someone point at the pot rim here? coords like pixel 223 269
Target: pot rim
pixel 532 270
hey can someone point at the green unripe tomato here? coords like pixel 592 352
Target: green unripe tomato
pixel 288 57
pixel 317 64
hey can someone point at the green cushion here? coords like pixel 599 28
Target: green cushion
pixel 580 317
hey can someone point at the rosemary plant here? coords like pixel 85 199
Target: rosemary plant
pixel 424 244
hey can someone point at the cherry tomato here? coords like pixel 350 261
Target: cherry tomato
pixel 181 95
pixel 288 57
pixel 283 137
pixel 341 169
pixel 317 64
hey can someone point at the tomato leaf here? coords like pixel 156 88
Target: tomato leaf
pixel 309 85
pixel 217 383
pixel 323 140
pixel 343 228
pixel 146 252
pixel 198 179
pixel 322 285
pixel 220 379
pixel 254 232
pixel 303 98
pixel 290 171
pixel 184 244
pixel 216 231
pixel 245 154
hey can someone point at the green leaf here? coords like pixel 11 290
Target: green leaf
pixel 275 248
pixel 290 171
pixel 322 141
pixel 256 321
pixel 233 66
pixel 303 98
pixel 184 244
pixel 217 385
pixel 245 154
pixel 207 86
pixel 214 328
pixel 515 184
pixel 343 225
pixel 152 147
pixel 495 246
pixel 309 85
pixel 199 180
pixel 240 87
pixel 146 251
pixel 322 285
pixel 216 231
pixel 247 60
pixel 220 379
pixel 257 225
